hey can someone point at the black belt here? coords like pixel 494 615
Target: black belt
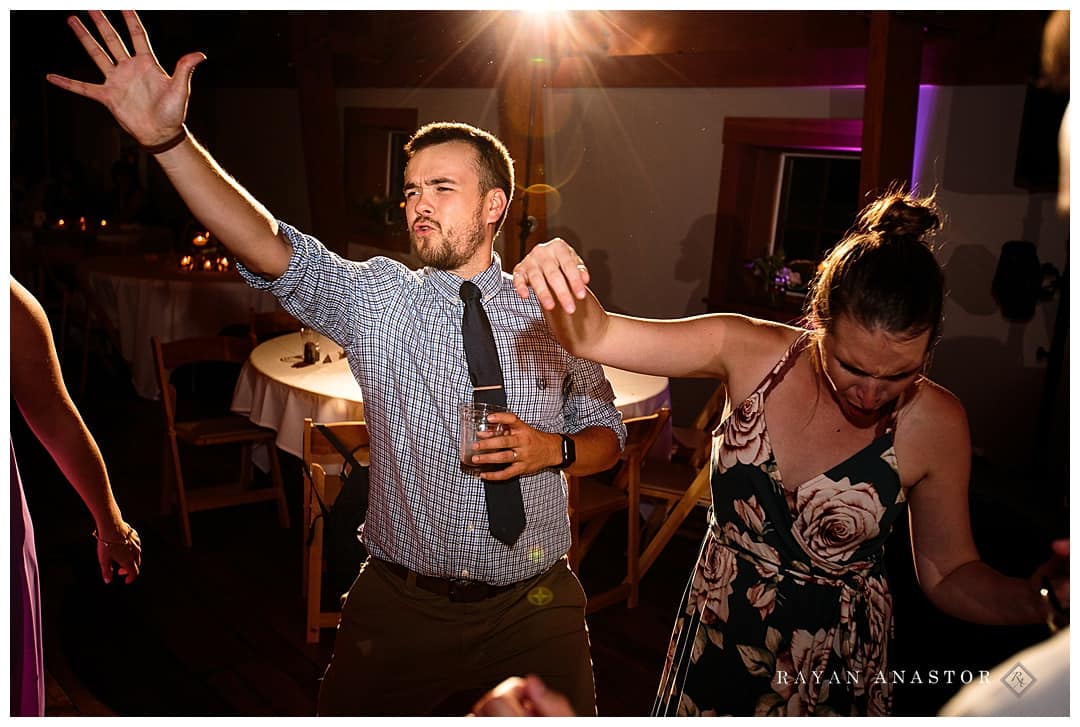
pixel 454 589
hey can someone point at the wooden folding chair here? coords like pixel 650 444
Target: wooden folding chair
pixel 206 431
pixel 678 491
pixel 675 488
pixel 592 501
pixel 322 463
pixel 693 443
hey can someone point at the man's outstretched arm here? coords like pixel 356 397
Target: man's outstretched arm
pixel 151 105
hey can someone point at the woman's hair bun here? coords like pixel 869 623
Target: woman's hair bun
pixel 898 216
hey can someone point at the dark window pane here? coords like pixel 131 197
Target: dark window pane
pixel 819 195
pixel 800 244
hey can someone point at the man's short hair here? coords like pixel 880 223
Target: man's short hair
pixel 493 163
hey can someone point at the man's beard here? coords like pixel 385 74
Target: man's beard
pixel 455 249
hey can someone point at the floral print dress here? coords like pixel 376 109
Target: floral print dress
pixel 788 611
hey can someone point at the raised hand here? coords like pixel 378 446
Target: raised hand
pixel 146 101
pixel 555 273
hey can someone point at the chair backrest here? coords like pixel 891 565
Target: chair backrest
pixel 713 410
pixel 698 438
pixel 270 324
pixel 642 433
pixel 318 450
pixel 320 456
pixel 171 355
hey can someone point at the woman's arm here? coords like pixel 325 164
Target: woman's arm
pixel 947 563
pixel 702 346
pixel 37 385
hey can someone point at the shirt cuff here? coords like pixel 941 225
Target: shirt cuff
pixel 287 282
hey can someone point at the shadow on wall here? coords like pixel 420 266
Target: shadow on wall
pixel 968 278
pixel 1002 402
pixel 601 281
pixel 695 263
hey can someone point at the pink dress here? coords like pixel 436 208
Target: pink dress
pixel 27 664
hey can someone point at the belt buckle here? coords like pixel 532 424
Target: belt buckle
pixel 464 591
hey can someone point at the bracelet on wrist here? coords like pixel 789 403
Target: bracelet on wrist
pixel 127 539
pixel 168 144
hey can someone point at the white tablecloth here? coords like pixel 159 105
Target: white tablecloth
pixel 149 296
pixel 274 394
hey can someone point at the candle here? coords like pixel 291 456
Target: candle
pixel 199 241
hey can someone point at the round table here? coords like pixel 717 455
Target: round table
pixel 275 394
pixel 148 295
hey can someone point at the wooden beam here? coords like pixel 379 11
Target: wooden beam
pixel 521 127
pixel 320 131
pixel 727 68
pixel 891 103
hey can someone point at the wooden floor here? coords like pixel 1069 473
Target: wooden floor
pixel 218 629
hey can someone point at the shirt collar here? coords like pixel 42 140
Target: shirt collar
pixel 449 285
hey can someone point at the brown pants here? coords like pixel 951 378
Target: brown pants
pixel 401 650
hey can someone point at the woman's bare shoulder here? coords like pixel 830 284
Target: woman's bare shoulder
pixel 756 346
pixel 934 414
pixel 935 400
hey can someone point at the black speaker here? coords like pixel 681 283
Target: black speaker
pixel 1037 152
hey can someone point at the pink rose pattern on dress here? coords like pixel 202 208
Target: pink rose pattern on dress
pixel 743 436
pixel 799 693
pixel 834 519
pixel 711 586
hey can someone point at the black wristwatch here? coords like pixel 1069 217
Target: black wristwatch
pixel 569 452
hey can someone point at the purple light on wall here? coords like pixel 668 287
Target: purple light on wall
pixel 928 102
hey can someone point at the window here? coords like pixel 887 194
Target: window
pixel 816 204
pixel 746 243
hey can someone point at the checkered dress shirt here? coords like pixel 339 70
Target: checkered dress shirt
pixel 401 330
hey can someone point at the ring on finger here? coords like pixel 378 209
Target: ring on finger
pixel 515 454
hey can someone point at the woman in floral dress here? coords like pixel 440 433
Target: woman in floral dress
pixel 833 433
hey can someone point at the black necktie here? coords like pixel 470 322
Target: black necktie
pixel 506 512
